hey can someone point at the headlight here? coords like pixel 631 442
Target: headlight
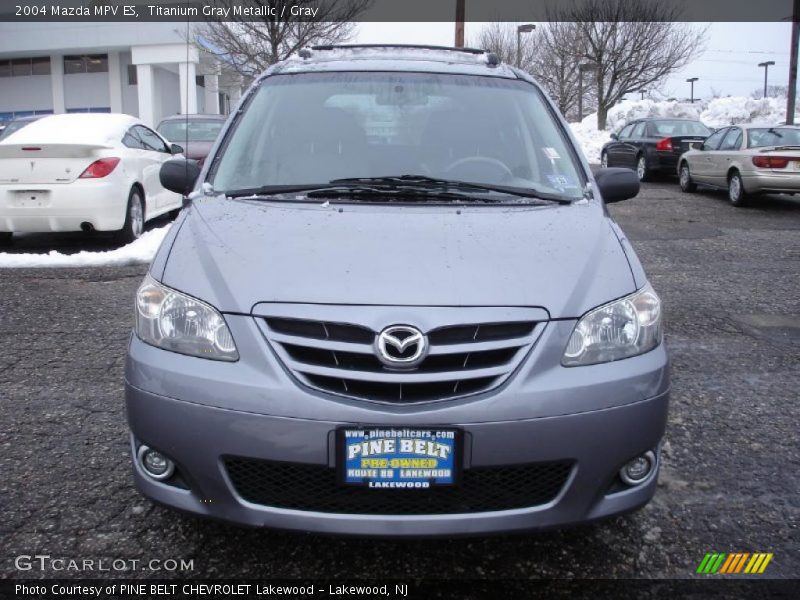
pixel 619 329
pixel 173 321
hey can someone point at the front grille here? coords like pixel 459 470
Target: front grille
pixel 315 488
pixel 340 358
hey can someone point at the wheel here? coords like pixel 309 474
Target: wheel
pixel 685 177
pixel 604 160
pixel 736 193
pixel 134 219
pixel 641 168
pixel 6 238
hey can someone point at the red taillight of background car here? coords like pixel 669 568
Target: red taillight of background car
pixel 100 168
pixel 771 162
pixel 664 145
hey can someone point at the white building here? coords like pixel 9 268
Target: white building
pixel 142 69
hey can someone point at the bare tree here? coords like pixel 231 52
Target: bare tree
pixel 250 46
pixel 552 54
pixel 634 44
pixel 501 38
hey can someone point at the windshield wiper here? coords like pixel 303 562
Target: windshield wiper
pixel 274 190
pixel 425 182
pixel 385 193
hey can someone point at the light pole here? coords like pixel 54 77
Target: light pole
pixel 766 66
pixel 526 28
pixel 691 80
pixel 583 67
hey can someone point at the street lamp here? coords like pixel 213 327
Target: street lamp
pixel 691 80
pixel 582 68
pixel 766 66
pixel 526 28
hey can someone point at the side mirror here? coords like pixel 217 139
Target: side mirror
pixel 614 136
pixel 617 184
pixel 176 149
pixel 179 175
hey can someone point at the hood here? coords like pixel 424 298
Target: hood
pixel 236 253
pixel 197 150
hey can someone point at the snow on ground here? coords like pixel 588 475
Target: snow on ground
pixel 716 113
pixel 140 251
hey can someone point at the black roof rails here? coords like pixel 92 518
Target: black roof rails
pixel 411 46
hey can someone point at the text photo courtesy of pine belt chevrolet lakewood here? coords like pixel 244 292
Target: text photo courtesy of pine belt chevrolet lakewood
pixel 390 310
pixel 83 172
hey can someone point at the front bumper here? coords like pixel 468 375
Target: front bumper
pixel 198 412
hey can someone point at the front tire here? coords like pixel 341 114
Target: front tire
pixel 685 177
pixel 736 193
pixel 642 170
pixel 134 219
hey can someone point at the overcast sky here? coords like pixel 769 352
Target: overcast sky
pixel 729 65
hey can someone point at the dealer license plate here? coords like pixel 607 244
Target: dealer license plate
pixel 399 457
pixel 32 198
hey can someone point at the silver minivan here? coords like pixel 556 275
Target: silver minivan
pixel 395 304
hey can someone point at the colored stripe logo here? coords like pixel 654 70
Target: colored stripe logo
pixel 737 562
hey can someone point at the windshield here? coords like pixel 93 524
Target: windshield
pixel 199 131
pixel 773 136
pixel 676 128
pixel 317 127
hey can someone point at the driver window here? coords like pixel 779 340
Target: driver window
pixel 638 131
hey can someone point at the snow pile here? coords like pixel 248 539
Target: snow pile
pixel 733 110
pixel 140 251
pixel 629 110
pixel 589 138
pixel 718 112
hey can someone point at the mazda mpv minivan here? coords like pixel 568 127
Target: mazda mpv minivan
pixel 395 304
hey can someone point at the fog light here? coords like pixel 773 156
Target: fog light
pixel 155 464
pixel 639 469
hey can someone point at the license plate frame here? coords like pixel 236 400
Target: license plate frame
pixel 373 478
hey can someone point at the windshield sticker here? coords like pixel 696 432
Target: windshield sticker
pixel 561 182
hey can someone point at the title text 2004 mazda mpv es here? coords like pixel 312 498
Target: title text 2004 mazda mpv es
pixel 396 305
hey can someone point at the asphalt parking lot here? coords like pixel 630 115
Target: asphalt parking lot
pixel 730 282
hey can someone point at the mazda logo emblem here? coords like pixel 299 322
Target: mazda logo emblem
pixel 401 346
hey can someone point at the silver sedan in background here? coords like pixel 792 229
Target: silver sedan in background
pixel 746 160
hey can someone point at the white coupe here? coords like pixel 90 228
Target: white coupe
pixel 83 172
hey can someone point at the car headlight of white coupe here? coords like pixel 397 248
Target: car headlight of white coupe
pixel 174 321
pixel 620 329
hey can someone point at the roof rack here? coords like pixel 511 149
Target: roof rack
pixel 490 57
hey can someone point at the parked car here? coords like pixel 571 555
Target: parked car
pixel 396 306
pixel 196 133
pixel 17 124
pixel 747 160
pixel 652 145
pixel 83 172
